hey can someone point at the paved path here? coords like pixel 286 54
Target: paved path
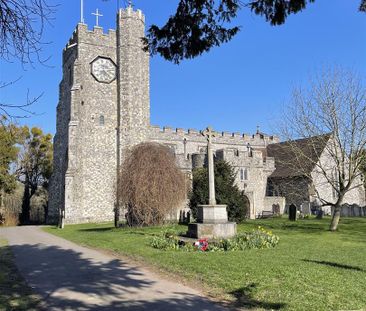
pixel 71 277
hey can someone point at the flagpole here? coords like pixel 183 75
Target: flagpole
pixel 82 11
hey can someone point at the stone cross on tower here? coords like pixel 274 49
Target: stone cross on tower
pixel 97 15
pixel 209 133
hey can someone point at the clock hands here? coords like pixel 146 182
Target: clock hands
pixel 103 70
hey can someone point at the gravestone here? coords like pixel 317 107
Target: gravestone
pixel 276 209
pixel 320 214
pixel 305 208
pixel 292 212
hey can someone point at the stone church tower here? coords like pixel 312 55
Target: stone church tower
pixel 103 109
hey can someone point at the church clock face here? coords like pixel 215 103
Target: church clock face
pixel 103 69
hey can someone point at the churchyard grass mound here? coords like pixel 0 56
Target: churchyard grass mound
pixel 310 269
pixel 14 292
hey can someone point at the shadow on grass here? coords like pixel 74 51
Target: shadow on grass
pixel 115 230
pixel 334 264
pixel 300 226
pixel 98 229
pixel 244 297
pixel 127 230
pixel 303 228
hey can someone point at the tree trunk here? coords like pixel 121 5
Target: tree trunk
pixel 335 218
pixel 116 216
pixel 2 193
pixel 25 216
pixel 33 189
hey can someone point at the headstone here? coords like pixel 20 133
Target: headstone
pixel 356 210
pixel 292 212
pixel 320 214
pixel 305 208
pixel 181 217
pixel 276 209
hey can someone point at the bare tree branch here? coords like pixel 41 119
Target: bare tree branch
pixel 10 111
pixel 330 118
pixel 22 24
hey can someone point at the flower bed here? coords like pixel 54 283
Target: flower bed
pixel 258 239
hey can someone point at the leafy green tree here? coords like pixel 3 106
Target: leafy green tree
pixel 198 26
pixel 8 155
pixel 34 165
pixel 227 192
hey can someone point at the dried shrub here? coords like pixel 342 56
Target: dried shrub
pixel 151 185
pixel 9 219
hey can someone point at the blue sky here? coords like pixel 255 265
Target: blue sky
pixel 235 87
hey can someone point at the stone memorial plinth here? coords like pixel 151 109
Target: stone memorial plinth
pixel 211 214
pixel 212 223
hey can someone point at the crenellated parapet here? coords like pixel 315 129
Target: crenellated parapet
pixel 131 13
pixel 90 39
pixel 169 133
pixel 254 158
pixel 95 37
pixel 83 34
pixel 245 158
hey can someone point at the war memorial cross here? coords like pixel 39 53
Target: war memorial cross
pixel 209 134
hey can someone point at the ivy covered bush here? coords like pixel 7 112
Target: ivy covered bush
pixel 255 239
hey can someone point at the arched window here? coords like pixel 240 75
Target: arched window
pixel 243 174
pixel 101 120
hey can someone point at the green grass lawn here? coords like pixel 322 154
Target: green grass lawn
pixel 310 269
pixel 14 293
